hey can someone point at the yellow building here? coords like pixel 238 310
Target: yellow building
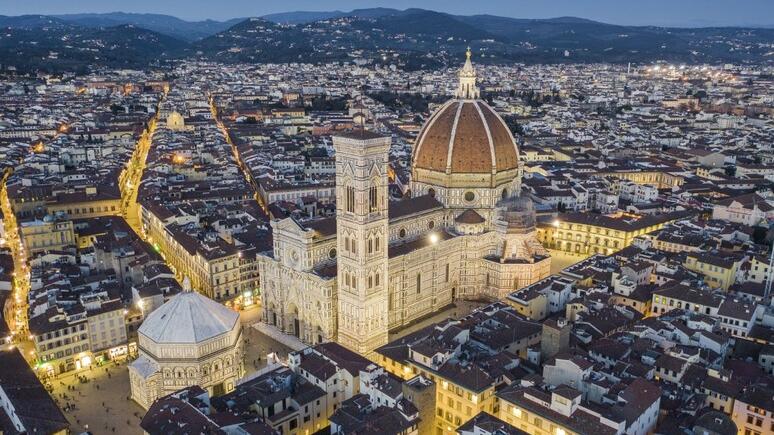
pixel 465 385
pixel 659 178
pixel 588 234
pixel 562 411
pixel 529 303
pixel 89 203
pixel 49 234
pixel 718 271
pixel 461 393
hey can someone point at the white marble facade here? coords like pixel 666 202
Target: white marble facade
pixel 381 264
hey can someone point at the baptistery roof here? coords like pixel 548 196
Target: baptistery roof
pixel 188 318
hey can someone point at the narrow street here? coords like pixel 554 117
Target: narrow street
pixel 132 176
pixel 21 283
pixel 245 170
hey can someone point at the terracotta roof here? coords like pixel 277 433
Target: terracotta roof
pixel 465 136
pixel 469 216
pixel 411 206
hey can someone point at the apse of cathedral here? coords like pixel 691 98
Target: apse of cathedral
pixel 464 233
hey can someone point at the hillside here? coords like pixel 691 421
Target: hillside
pixel 417 38
pixel 163 24
pixel 410 39
pixel 65 47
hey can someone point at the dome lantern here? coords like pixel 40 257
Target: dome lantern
pixel 467 88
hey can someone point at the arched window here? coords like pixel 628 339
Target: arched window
pixel 376 248
pixel 370 281
pixel 373 199
pixel 505 193
pixel 402 233
pixel 350 199
pixel 370 246
pixel 376 279
pixel 431 192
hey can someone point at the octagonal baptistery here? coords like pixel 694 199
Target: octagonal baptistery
pixel 465 154
pixel 190 340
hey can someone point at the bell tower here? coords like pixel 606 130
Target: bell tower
pixel 361 231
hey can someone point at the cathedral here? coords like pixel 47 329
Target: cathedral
pixel 464 233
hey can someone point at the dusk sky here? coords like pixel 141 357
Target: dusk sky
pixel 636 12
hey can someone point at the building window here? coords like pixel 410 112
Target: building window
pixel 431 225
pixel 332 253
pixel 372 199
pixel 402 233
pixel 419 283
pixel 350 199
pixel 470 196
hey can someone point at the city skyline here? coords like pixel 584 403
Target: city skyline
pixel 387 221
pixel 688 13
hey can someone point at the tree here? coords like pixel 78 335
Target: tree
pixel 513 125
pixel 759 235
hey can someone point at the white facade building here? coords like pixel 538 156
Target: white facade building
pixel 379 265
pixel 190 340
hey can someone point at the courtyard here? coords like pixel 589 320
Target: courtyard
pixel 561 260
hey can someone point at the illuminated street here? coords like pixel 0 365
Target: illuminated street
pixel 21 274
pixel 132 176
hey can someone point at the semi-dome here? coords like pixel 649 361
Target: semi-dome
pixel 465 136
pixel 187 318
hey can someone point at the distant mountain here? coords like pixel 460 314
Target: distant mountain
pixel 301 17
pixel 417 38
pixel 164 24
pixel 409 39
pixel 58 47
pixel 31 22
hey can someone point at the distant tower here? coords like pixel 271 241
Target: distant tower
pixel 362 236
pixel 555 337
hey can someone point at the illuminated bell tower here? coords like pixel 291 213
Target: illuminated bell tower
pixel 361 231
